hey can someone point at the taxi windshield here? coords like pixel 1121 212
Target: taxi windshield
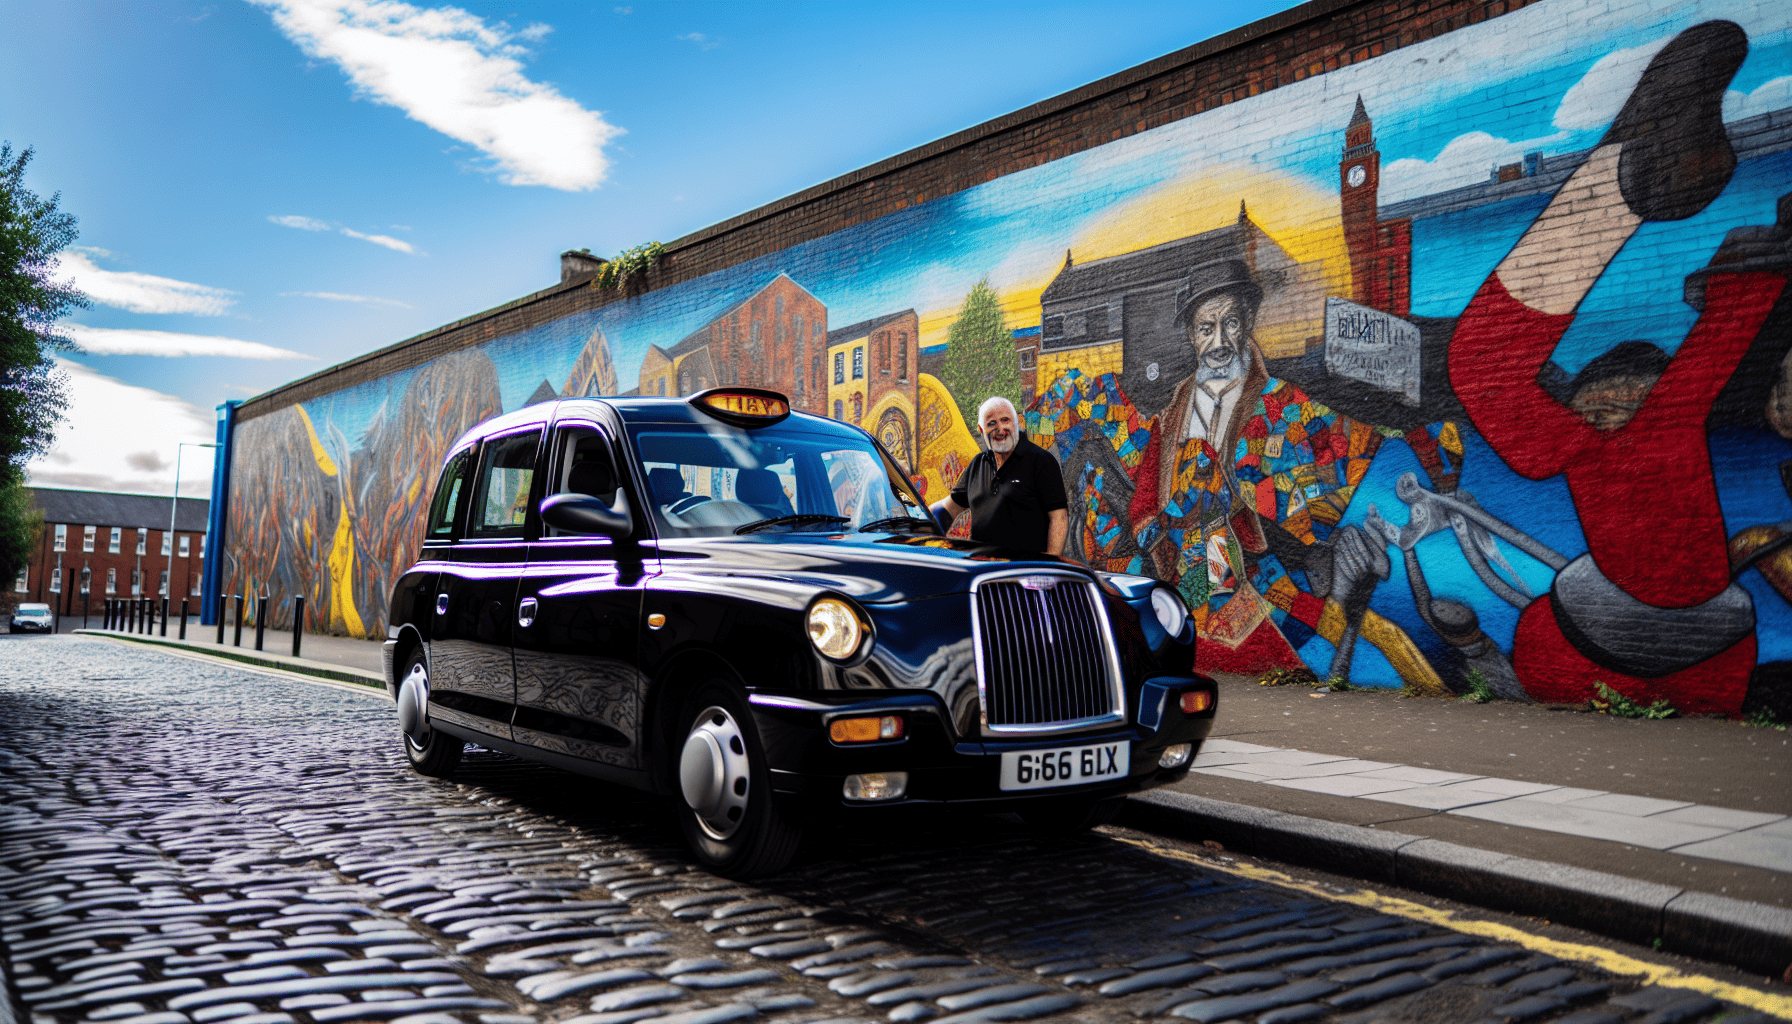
pixel 715 480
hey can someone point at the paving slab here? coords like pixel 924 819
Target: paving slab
pixel 1417 776
pixel 1719 817
pixel 1577 821
pixel 1344 785
pixel 1618 803
pixel 1752 847
pixel 1565 794
pixel 1436 798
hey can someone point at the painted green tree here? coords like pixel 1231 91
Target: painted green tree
pixel 980 357
pixel 33 396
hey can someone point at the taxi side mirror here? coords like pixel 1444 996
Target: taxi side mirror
pixel 582 513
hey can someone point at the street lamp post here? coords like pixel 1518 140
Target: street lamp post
pixel 174 506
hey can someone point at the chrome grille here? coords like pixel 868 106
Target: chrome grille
pixel 1045 658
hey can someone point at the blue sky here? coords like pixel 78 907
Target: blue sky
pixel 311 181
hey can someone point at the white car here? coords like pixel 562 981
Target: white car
pixel 32 617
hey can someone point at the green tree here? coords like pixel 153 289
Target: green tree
pixel 980 357
pixel 34 395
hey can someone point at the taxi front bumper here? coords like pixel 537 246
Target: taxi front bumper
pixel 943 768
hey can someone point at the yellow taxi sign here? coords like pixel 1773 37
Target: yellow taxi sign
pixel 747 407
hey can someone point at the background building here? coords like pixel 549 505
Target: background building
pixel 99 544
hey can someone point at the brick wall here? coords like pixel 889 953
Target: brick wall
pixel 1433 345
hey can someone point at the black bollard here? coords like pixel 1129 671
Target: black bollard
pixel 298 622
pixel 261 619
pixel 130 616
pixel 183 618
pixel 237 641
pixel 164 616
pixel 221 618
pixel 84 599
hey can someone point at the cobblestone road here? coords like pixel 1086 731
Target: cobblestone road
pixel 187 842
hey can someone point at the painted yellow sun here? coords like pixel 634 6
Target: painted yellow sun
pixel 1300 215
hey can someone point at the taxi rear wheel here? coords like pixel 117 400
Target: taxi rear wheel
pixel 726 809
pixel 430 751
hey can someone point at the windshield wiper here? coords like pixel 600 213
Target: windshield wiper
pixel 796 520
pixel 893 521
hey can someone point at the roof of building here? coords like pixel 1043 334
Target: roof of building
pixel 1159 264
pixel 864 327
pixel 110 508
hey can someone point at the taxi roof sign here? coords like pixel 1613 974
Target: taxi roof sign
pixel 743 407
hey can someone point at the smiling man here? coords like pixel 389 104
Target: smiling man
pixel 1014 489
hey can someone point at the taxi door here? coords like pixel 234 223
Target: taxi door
pixel 579 690
pixel 472 679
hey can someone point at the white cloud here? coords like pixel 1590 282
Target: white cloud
pixel 139 293
pixel 302 223
pixel 108 341
pixel 120 437
pixel 339 297
pixel 448 69
pixel 1775 94
pixel 386 240
pixel 1596 99
pixel 703 42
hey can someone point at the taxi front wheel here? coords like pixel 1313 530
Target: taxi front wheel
pixel 431 751
pixel 727 813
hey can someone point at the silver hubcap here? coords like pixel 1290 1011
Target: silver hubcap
pixel 713 772
pixel 413 705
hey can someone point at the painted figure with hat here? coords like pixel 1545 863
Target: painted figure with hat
pixel 1238 466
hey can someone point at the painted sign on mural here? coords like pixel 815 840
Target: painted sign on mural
pixel 1391 382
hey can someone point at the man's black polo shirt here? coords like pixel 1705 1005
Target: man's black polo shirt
pixel 1009 504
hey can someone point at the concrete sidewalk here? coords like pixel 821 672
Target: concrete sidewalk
pixel 331 657
pixel 1699 803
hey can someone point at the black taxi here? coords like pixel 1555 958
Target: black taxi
pixel 751 611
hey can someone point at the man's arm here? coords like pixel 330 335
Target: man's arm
pixel 1057 527
pixel 946 512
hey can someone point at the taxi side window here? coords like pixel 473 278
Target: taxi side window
pixel 583 465
pixel 506 477
pixel 444 512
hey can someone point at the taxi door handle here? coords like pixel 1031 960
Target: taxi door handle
pixel 525 612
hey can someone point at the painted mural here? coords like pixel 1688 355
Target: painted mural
pixel 1467 365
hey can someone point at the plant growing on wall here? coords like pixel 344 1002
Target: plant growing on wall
pixel 980 357
pixel 628 263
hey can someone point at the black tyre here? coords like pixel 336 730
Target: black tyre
pixel 1063 816
pixel 431 751
pixel 726 809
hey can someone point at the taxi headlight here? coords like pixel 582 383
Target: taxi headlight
pixel 1172 613
pixel 835 629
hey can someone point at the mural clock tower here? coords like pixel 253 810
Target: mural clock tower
pixel 1359 180
pixel 1380 250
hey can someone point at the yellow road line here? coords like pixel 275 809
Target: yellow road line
pixel 1605 959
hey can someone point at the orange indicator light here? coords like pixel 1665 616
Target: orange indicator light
pixel 1196 701
pixel 865 730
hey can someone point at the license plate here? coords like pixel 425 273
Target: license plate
pixel 1064 766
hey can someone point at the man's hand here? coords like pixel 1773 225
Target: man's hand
pixel 946 512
